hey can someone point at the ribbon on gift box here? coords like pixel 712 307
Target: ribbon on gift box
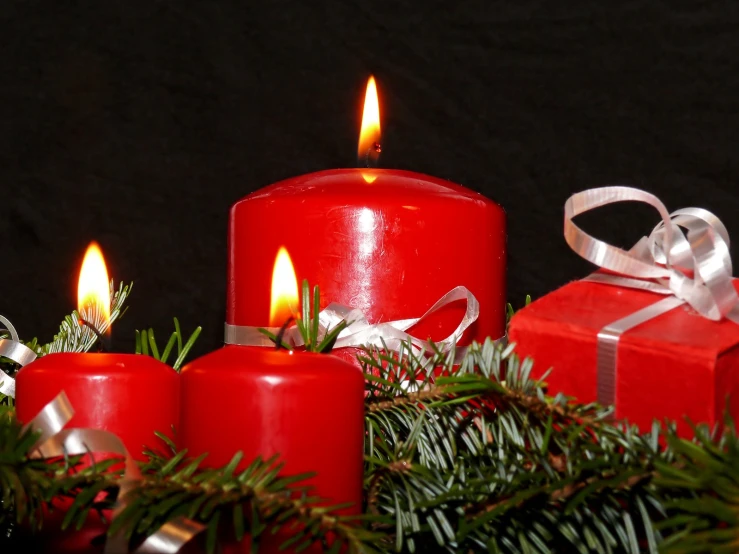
pixel 692 268
pixel 55 441
pixel 13 349
pixel 360 332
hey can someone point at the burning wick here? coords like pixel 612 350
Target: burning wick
pixel 98 334
pixel 281 334
pixel 373 155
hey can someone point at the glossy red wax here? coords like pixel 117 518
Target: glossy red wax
pixel 308 408
pixel 129 395
pixel 391 247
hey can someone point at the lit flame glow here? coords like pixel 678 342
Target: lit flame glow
pixel 93 288
pixel 368 177
pixel 369 135
pixel 284 302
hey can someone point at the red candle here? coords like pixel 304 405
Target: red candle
pixel 388 242
pixel 129 395
pixel 306 407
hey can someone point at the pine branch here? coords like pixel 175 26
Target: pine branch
pixel 27 484
pixel 488 461
pixel 74 336
pixel 256 501
pixel 146 344
pixel 510 311
pixel 315 338
pixel 458 458
pixel 706 516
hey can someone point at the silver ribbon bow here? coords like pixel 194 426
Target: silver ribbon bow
pixel 55 441
pixel 361 332
pixel 692 268
pixel 15 350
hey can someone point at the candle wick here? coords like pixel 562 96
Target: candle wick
pixel 281 334
pixel 98 334
pixel 373 155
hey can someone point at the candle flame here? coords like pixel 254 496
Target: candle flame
pixel 284 290
pixel 93 288
pixel 369 135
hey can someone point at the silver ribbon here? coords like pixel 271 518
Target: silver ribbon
pixel 692 268
pixel 361 332
pixel 15 350
pixel 55 441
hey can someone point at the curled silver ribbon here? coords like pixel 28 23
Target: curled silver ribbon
pixel 360 332
pixel 692 268
pixel 55 441
pixel 15 350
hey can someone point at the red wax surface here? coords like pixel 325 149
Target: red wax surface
pixel 129 395
pixel 391 247
pixel 676 365
pixel 309 408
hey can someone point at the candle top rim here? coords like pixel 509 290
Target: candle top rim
pixel 232 356
pixel 351 182
pixel 98 362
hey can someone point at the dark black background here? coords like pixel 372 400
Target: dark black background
pixel 139 123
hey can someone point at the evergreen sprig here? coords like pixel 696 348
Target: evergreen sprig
pixel 27 484
pixel 146 344
pixel 256 501
pixel 315 337
pixel 511 311
pixel 74 336
pixel 480 458
pixel 705 518
pixel 459 458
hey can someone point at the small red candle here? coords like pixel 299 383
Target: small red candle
pixel 388 242
pixel 306 407
pixel 129 395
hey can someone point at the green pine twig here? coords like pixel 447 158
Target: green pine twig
pixel 255 501
pixel 74 336
pixel 490 462
pixel 315 339
pixel 146 344
pixel 458 458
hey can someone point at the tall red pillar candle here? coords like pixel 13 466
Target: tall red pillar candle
pixel 131 396
pixel 388 242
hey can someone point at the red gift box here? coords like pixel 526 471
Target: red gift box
pixel 677 365
pixel 657 333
